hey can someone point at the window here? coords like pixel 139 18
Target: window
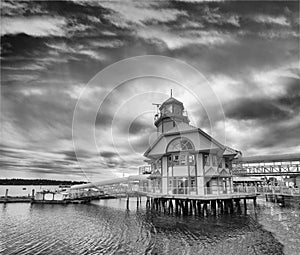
pixel 193 184
pixel 180 144
pixel 183 160
pixel 214 160
pixel 205 160
pixel 191 159
pixel 220 162
pixel 168 109
pixel 227 163
pixel 169 160
pixel 175 160
pixel 152 167
pixel 177 109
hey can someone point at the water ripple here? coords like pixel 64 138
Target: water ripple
pixel 106 228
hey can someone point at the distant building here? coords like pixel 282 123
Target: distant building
pixel 184 159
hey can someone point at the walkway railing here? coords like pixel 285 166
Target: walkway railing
pixel 131 189
pixel 269 190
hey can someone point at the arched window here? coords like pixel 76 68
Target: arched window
pixel 180 144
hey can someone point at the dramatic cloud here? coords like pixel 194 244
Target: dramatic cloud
pixel 281 20
pixel 248 52
pixel 184 39
pixel 35 26
pixel 124 14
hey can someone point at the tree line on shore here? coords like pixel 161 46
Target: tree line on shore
pixel 17 181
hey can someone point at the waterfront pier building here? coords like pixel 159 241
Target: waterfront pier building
pixel 184 160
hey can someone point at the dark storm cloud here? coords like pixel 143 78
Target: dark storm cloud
pixel 108 154
pixel 51 49
pixel 267 108
pixel 284 136
pixel 74 156
pixel 246 108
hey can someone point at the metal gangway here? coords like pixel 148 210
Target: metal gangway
pixel 267 165
pixel 269 189
pixel 117 187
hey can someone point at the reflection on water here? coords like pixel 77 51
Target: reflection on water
pixel 284 223
pixel 105 227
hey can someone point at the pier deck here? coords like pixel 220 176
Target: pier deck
pixel 204 197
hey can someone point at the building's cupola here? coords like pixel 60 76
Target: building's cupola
pixel 170 114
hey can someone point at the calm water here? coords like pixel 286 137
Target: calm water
pixel 105 227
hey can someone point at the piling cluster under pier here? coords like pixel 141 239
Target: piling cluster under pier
pixel 201 207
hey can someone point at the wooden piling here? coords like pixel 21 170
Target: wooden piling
pixel 245 205
pixel 220 205
pixel 199 207
pixel 213 207
pixel 191 207
pixel 226 206
pixel 170 206
pixel 32 194
pixel 194 207
pixel 148 203
pixel 231 206
pixel 203 208
pixel 181 206
pixel 186 207
pixel 127 203
pixel 164 205
pixel 205 211
pixel 237 205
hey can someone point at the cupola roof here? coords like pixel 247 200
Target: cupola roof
pixel 171 100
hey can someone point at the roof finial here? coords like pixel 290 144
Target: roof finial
pixel 171 92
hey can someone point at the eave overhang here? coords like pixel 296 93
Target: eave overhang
pixel 221 146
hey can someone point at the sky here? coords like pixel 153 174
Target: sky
pixel 52 59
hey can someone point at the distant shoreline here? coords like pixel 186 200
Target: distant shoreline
pixel 37 182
